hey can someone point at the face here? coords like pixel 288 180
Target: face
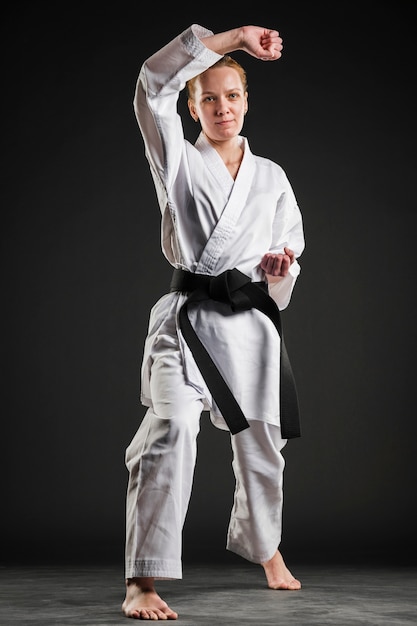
pixel 220 103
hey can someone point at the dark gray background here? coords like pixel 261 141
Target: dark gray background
pixel 82 266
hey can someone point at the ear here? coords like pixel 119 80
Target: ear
pixel 246 102
pixel 192 110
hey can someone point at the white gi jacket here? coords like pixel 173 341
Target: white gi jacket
pixel 212 223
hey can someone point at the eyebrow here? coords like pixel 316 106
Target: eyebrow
pixel 210 93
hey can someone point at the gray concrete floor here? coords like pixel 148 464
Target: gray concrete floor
pixel 335 595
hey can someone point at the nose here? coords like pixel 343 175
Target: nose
pixel 222 106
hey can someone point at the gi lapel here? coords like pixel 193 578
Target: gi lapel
pixel 232 210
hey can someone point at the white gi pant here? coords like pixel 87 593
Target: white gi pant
pixel 161 461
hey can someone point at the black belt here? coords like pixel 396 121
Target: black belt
pixel 236 289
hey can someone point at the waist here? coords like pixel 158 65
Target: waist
pixel 214 286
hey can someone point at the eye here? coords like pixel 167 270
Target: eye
pixel 233 96
pixel 208 99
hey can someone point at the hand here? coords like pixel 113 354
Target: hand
pixel 277 265
pixel 262 43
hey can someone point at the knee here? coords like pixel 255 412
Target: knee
pixel 179 427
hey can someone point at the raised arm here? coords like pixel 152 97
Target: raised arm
pixel 262 43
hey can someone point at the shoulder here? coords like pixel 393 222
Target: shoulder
pixel 265 162
pixel 271 168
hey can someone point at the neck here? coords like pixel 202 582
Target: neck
pixel 231 151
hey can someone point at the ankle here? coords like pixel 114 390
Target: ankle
pixel 144 583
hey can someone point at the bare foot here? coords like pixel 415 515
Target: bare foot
pixel 142 601
pixel 278 575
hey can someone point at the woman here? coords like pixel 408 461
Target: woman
pixel 232 230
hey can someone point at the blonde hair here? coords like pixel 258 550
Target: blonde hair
pixel 225 61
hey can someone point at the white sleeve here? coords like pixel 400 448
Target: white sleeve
pixel 161 78
pixel 288 232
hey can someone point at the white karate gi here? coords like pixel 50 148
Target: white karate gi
pixel 210 223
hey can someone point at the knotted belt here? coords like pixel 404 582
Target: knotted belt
pixel 236 289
